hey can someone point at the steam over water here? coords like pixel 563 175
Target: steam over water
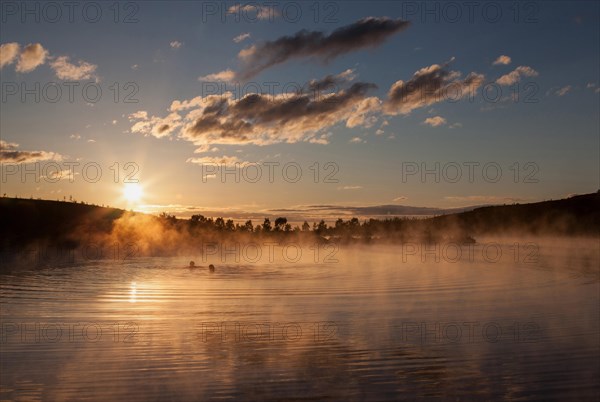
pixel 375 323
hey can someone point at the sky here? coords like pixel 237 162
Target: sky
pixel 243 109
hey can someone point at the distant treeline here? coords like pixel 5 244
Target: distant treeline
pixel 69 225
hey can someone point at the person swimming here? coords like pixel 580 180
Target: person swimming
pixel 211 268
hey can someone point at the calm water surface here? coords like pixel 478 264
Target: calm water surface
pixel 378 324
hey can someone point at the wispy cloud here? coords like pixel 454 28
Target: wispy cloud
pixel 68 71
pixel 367 32
pixel 205 148
pixel 175 44
pixel 254 11
pixel 262 118
pixel 158 127
pixel 332 81
pixel 10 154
pixel 350 188
pixel 215 160
pixel 430 85
pixel 223 76
pixel 563 91
pixel 241 37
pixel 516 74
pixel 323 139
pixel 435 121
pixel 502 60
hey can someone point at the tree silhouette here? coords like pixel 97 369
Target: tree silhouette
pixel 266 227
pixel 321 227
pixel 280 224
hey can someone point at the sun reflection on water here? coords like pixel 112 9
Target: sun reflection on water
pixel 133 292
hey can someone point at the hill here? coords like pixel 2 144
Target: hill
pixel 577 215
pixel 23 221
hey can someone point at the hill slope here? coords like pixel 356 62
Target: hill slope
pixel 578 215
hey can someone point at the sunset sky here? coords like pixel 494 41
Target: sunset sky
pixel 373 89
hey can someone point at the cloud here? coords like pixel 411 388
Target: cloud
pixel 32 56
pixel 401 198
pixel 332 81
pixel 154 126
pixel 356 140
pixel 10 154
pixel 176 44
pixel 262 119
pixel 141 114
pixel 135 67
pixel 215 160
pixel 563 91
pixel 516 74
pixel 367 32
pixel 205 148
pixel 68 71
pixel 260 12
pixel 8 53
pixel 455 125
pixel 350 188
pixel 429 85
pixel 435 121
pixel 504 60
pixel 7 146
pixel 592 86
pixel 364 113
pixel 241 37
pixel 223 76
pixel 67 174
pixel 322 140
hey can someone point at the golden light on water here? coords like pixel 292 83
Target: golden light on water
pixel 133 293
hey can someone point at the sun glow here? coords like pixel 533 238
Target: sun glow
pixel 132 192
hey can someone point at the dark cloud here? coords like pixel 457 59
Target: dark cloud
pixel 430 85
pixel 331 82
pixel 263 118
pixel 367 32
pixel 10 154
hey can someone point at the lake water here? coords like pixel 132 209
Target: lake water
pixel 370 323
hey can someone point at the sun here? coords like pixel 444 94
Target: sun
pixel 132 192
